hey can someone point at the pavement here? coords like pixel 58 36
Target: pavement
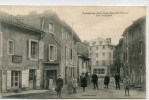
pixel 87 94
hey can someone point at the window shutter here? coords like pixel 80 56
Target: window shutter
pixel 8 79
pixel 41 50
pixel 29 49
pixel 55 51
pixel 25 78
pixel 38 78
pixel 49 52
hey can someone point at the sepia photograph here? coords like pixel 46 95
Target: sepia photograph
pixel 72 52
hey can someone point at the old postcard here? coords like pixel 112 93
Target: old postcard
pixel 90 52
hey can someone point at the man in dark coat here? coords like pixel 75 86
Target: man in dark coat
pixel 117 81
pixel 106 81
pixel 83 82
pixel 95 80
pixel 59 85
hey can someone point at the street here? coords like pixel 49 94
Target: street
pixel 88 93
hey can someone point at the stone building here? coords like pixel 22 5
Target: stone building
pixel 19 54
pixel 48 22
pixel 83 62
pixel 133 52
pixel 69 53
pixel 101 54
pixel 59 45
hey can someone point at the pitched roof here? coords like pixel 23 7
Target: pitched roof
pixel 48 14
pixel 135 23
pixel 12 20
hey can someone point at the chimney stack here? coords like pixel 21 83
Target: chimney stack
pixel 108 40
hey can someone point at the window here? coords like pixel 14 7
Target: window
pixel 140 47
pixel 110 62
pixel 103 47
pixel 33 49
pixel 15 78
pixel 103 62
pixel 132 49
pixel 96 47
pixel 97 62
pixel 95 70
pixel 90 48
pixel 110 55
pixel 132 35
pixel 94 43
pixel 96 55
pixel 71 53
pixel 103 54
pixel 52 52
pixel 51 28
pixel 101 71
pixel 127 55
pixel 10 47
pixel 1 44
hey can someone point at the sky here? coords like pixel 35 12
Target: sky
pixel 89 22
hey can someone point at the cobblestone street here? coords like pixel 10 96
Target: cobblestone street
pixel 88 93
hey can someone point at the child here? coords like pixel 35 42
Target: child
pixel 126 83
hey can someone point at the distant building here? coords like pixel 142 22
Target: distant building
pixel 133 52
pixel 101 54
pixel 19 54
pixel 83 63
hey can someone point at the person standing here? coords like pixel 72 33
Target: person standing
pixel 106 81
pixel 74 84
pixel 95 80
pixel 117 81
pixel 59 85
pixel 83 82
pixel 126 83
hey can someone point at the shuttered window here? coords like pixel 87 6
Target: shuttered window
pixel 10 47
pixel 52 52
pixel 33 49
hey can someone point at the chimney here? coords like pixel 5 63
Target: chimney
pixel 108 40
pixel 32 12
pixel 85 41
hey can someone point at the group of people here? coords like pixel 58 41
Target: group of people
pixel 83 80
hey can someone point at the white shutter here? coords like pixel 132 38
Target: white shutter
pixel 38 78
pixel 25 78
pixel 8 79
pixel 49 53
pixel 41 50
pixel 29 49
pixel 55 51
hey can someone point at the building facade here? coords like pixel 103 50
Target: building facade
pixel 69 53
pixel 83 62
pixel 134 43
pixel 101 54
pixel 49 22
pixel 59 45
pixel 19 54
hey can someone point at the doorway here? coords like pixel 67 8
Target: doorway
pixel 49 74
pixel 32 79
